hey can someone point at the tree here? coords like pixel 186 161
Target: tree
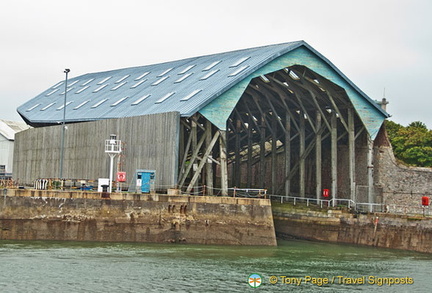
pixel 412 144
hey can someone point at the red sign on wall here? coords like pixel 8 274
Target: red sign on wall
pixel 425 200
pixel 121 176
pixel 326 192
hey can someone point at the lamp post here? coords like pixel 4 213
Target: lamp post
pixel 112 148
pixel 63 127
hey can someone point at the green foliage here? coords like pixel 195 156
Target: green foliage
pixel 412 144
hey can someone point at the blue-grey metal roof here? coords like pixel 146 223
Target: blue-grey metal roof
pixel 186 86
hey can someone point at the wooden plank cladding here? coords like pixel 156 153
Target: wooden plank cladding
pixel 149 142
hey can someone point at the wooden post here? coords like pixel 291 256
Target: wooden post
pixel 237 160
pixel 194 134
pixel 302 158
pixel 249 152
pixel 287 153
pixel 273 154
pixel 203 161
pixel 351 153
pixel 262 174
pixel 223 163
pixel 209 165
pixel 370 167
pixel 318 156
pixel 334 157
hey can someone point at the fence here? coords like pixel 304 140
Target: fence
pixel 358 207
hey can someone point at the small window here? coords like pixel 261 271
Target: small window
pixel 103 80
pixel 87 82
pixel 68 90
pixel 82 89
pixel 212 65
pixel 142 75
pixel 73 83
pixel 240 61
pixel 99 88
pixel 238 70
pixel 51 92
pixel 165 72
pixel 47 106
pixel 138 83
pixel 119 101
pixel 57 85
pixel 140 100
pixel 160 80
pixel 183 78
pixel 62 106
pixel 209 74
pixel 123 78
pixel 186 69
pixel 80 105
pixel 164 97
pixel 33 107
pixel 119 85
pixel 99 103
pixel 190 95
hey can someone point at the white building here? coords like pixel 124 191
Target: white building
pixel 8 129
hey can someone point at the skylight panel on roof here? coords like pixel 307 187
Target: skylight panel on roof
pixel 123 78
pixel 240 61
pixel 119 85
pixel 212 65
pixel 140 100
pixel 103 80
pixel 47 106
pixel 32 107
pixel 118 102
pixel 51 92
pixel 190 95
pixel 165 72
pixel 183 77
pixel 209 74
pixel 62 106
pixel 99 103
pixel 68 90
pixel 186 69
pixel 82 89
pixel 160 80
pixel 87 82
pixel 57 85
pixel 99 88
pixel 142 75
pixel 138 83
pixel 164 97
pixel 239 70
pixel 80 105
pixel 73 83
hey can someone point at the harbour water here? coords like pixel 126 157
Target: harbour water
pixel 298 266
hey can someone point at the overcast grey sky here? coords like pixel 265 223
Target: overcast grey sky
pixel 377 43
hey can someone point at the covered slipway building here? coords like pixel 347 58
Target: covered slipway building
pixel 280 117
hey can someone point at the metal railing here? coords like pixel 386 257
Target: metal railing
pixel 358 207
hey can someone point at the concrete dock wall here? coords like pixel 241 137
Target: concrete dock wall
pixel 380 230
pixel 84 216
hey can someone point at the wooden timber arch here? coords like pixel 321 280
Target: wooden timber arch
pixel 292 132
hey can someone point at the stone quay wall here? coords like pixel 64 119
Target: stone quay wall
pixel 124 217
pixel 379 230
